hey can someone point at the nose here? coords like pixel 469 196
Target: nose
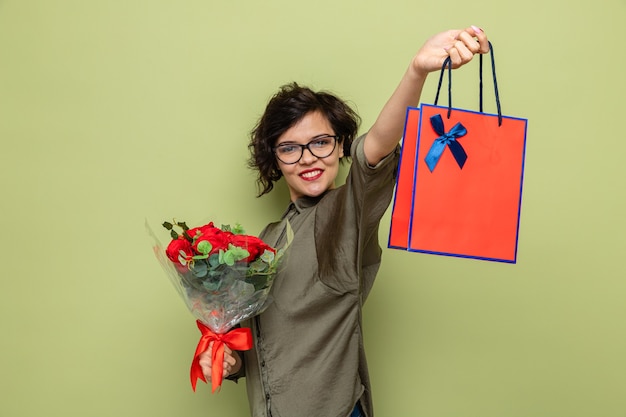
pixel 307 156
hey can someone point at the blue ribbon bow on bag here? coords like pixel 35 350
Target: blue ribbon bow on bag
pixel 446 139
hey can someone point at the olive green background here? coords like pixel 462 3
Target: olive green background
pixel 113 112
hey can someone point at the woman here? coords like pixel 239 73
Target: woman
pixel 308 357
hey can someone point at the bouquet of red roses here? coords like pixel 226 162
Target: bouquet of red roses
pixel 224 276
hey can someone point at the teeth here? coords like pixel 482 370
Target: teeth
pixel 310 174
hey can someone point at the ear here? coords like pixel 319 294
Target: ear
pixel 340 145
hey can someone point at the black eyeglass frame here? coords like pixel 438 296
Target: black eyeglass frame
pixel 307 146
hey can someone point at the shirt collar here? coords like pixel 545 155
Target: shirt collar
pixel 303 203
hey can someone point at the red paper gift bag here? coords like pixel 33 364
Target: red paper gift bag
pixel 401 213
pixel 465 197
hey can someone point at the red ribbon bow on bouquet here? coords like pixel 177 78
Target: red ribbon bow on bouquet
pixel 236 339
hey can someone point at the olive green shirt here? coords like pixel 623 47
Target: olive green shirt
pixel 308 359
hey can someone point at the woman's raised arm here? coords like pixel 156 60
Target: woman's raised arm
pixel 459 45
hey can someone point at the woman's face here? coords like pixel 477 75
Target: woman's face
pixel 310 176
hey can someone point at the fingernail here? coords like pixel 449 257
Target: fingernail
pixel 477 29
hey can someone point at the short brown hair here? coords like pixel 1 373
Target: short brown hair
pixel 286 108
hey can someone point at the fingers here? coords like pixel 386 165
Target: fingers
pixel 230 365
pixel 206 360
pixel 480 35
pixel 229 362
pixel 467 43
pixel 232 362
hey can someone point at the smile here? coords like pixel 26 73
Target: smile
pixel 311 175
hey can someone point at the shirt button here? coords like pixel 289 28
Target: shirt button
pixel 267 396
pixel 263 364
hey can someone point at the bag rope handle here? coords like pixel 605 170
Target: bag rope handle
pixel 448 64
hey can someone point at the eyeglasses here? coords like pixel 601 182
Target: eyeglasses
pixel 320 147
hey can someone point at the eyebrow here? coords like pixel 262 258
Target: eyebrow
pixel 291 142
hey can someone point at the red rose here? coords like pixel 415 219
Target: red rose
pixel 177 245
pixel 202 229
pixel 218 238
pixel 252 244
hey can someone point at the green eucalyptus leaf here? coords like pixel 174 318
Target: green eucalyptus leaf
pixel 228 258
pixel 199 269
pixel 211 285
pixel 259 281
pixel 204 247
pixel 258 266
pixel 168 225
pixel 268 256
pixel 238 253
pixel 214 260
pixel 173 234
